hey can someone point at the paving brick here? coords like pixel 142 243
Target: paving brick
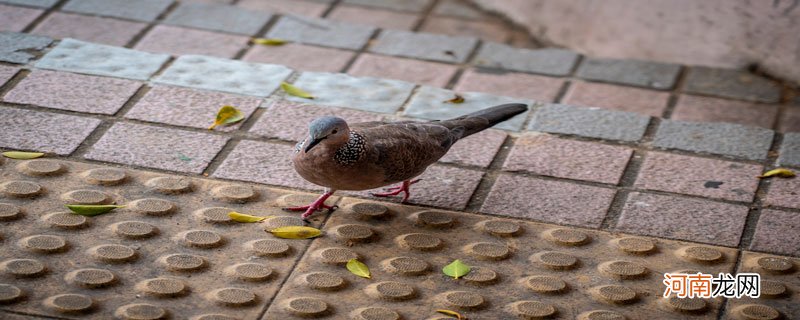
pixel 218 17
pixel 405 5
pixel 288 120
pixel 83 57
pixel 182 41
pixel 548 201
pixel 476 150
pixel 33 3
pixel 607 96
pixel 301 8
pixel 790 119
pixel 210 1
pixel 321 32
pixel 734 84
pixel 457 8
pixel 263 162
pixel 487 30
pixel 6 73
pixel 189 107
pixel 301 57
pixel 790 150
pixel 682 218
pixel 589 122
pixel 203 72
pixel 631 72
pixel 13 18
pixel 699 176
pixel 555 62
pixel 777 232
pixel 784 193
pixel 706 109
pixel 114 32
pixel 43 131
pixel 510 84
pixel 374 17
pixel 341 90
pixel 726 139
pixel 20 47
pixel 547 155
pixel 416 71
pixel 424 46
pixel 431 103
pixel 142 10
pixel 156 147
pixel 74 92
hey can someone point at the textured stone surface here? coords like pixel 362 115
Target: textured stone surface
pixel 555 202
pixel 114 32
pixel 589 122
pixel 431 103
pixel 405 5
pixel 777 232
pixel 6 73
pixel 374 17
pixel 43 131
pixel 33 3
pixel 224 75
pixel 183 41
pixel 13 18
pixel 155 147
pixel 487 30
pixel 189 107
pixel 678 218
pixel 301 8
pixel 74 92
pixel 556 62
pixel 218 17
pixel 699 176
pixel 415 71
pixel 790 150
pixel 288 120
pixel 784 193
pixel 607 96
pixel 631 72
pixel 262 162
pixel 341 90
pixel 718 138
pixel 547 155
pixel 456 8
pixel 18 47
pixel 790 120
pixel 728 83
pixel 321 32
pixel 301 57
pixel 83 57
pixel 476 150
pixel 706 109
pixel 424 46
pixel 510 84
pixel 143 10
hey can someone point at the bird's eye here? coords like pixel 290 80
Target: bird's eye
pixel 334 131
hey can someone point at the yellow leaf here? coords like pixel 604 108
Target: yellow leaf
pixel 245 218
pixel 91 210
pixel 457 99
pixel 296 232
pixel 779 172
pixel 451 313
pixel 22 155
pixel 456 269
pixel 227 115
pixel 295 91
pixel 269 41
pixel 358 268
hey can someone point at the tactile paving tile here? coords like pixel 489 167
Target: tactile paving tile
pixel 171 253
pixel 522 270
pixel 780 289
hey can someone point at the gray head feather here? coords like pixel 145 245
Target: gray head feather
pixel 323 126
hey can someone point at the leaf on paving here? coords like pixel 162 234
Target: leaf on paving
pixel 358 268
pixel 245 218
pixel 22 155
pixel 451 313
pixel 296 232
pixel 183 157
pixel 269 41
pixel 456 269
pixel 91 210
pixel 780 172
pixel 450 53
pixel 295 91
pixel 457 99
pixel 227 115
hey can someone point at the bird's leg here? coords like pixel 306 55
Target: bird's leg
pixel 401 185
pixel 398 189
pixel 317 205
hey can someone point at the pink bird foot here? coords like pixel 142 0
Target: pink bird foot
pixel 315 206
pixel 393 191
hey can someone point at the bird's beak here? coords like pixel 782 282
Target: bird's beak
pixel 313 143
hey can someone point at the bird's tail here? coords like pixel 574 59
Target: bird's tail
pixel 477 121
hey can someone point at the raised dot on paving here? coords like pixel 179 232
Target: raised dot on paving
pixel 44 243
pixel 91 278
pixel 268 247
pixel 69 303
pixel 685 305
pixel 601 315
pixel 215 215
pixel 433 219
pixel 545 284
pixel 233 297
pixel 306 307
pixel 204 239
pixel 463 300
pixel 614 294
pixel 555 260
pixel 21 189
pixel 23 268
pixel 419 242
pixel 622 269
pixel 755 312
pixel 252 272
pixel 181 262
pixel 566 237
pixel 705 255
pixel 374 313
pixel 86 197
pixel 775 265
pixel 104 176
pixel 353 233
pixel 487 251
pixel 234 193
pixel 203 72
pixel 10 294
pixel 103 60
pixel 773 289
pixel 41 168
pixel 500 228
pixel 169 185
pixel 113 253
pixel 66 220
pixel 134 229
pixel 9 212
pixel 153 206
pixel 213 316
pixel 531 309
pixel 362 93
pixel 633 245
pixel 323 281
pixel 407 266
pixel 335 255
pixel 391 290
pixel 141 311
pixel 369 211
pixel 282 221
pixel 162 287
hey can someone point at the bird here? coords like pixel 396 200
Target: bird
pixel 368 155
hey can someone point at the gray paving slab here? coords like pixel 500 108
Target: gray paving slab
pixel 789 154
pixel 84 57
pixel 17 47
pixel 204 72
pixel 43 131
pixel 141 10
pixel 589 122
pixel 321 32
pixel 32 3
pixel 726 139
pixel 426 46
pixel 631 72
pixel 217 17
pixel 734 84
pixel 556 62
pixel 431 103
pixel 404 5
pixel 341 90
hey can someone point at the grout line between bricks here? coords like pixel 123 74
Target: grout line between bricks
pixel 150 25
pixel 424 15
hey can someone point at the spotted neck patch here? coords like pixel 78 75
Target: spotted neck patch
pixel 351 152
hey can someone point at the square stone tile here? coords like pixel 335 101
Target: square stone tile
pixel 431 103
pixel 103 60
pixel 142 10
pixel 784 193
pixel 232 76
pixel 589 122
pixel 510 84
pixel 631 72
pixel 699 176
pixel 373 17
pixel 341 90
pixel 263 162
pixel 734 84
pixel 300 8
pixel 607 96
pixel 218 17
pixel 6 73
pixel 156 147
pixel 20 47
pixel 725 139
pixel 487 30
pixel 549 61
pixel 476 150
pixel 43 131
pixel 548 155
pixel 289 121
pixel 14 19
pixel 404 5
pixel 790 150
pixel 457 8
pixel 183 41
pixel 683 219
pixel 33 3
pixel 790 119
pixel 189 108
pixel 706 109
pixel 548 201
pixel 321 32
pixel 74 92
pixel 777 232
pixel 425 46
pixel 114 32
pixel 416 71
pixel 301 57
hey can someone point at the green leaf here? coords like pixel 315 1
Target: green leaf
pixel 269 41
pixel 295 91
pixel 91 210
pixel 245 218
pixel 358 268
pixel 451 313
pixel 227 115
pixel 22 155
pixel 296 232
pixel 779 172
pixel 456 269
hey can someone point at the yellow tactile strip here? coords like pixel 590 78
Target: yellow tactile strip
pixel 780 289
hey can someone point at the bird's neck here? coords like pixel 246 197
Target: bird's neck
pixel 352 151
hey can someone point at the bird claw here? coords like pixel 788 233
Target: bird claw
pixel 393 191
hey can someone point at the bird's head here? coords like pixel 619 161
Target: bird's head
pixel 327 130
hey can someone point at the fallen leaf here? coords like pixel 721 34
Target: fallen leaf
pixel 451 313
pixel 450 53
pixel 358 268
pixel 295 91
pixel 457 99
pixel 183 157
pixel 296 232
pixel 779 172
pixel 244 218
pixel 22 155
pixel 269 41
pixel 456 269
pixel 92 210
pixel 227 115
